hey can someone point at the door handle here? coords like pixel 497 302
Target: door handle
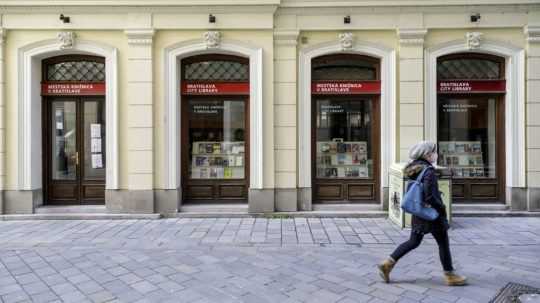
pixel 76 158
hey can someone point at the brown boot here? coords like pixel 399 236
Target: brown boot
pixel 385 268
pixel 453 279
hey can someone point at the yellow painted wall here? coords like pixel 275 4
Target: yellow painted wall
pixel 513 36
pixel 261 38
pixel 384 38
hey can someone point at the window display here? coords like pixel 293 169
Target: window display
pixel 216 138
pixel 222 160
pixel 343 148
pixel 467 136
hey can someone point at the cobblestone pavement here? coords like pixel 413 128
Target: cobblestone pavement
pixel 256 260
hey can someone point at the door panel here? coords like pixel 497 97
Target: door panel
pixel 74 167
pixel 345 149
pixel 215 156
pixel 62 156
pixel 93 151
pixel 94 140
pixel 64 191
pixel 64 140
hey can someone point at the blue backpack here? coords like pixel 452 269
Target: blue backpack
pixel 413 201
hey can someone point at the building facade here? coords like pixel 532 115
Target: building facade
pixel 277 104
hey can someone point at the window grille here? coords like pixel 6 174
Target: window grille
pixel 468 68
pixel 216 70
pixel 76 71
pixel 343 68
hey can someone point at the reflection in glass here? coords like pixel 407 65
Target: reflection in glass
pixel 216 139
pixel 94 140
pixel 344 146
pixel 467 136
pixel 64 140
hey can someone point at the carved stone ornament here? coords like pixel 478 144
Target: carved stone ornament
pixel 66 39
pixel 212 39
pixel 532 34
pixel 346 41
pixel 412 36
pixel 474 39
pixel 140 36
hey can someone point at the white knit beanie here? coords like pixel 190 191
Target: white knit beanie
pixel 422 150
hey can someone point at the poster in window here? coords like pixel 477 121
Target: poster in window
pixel 97 161
pixel 95 130
pixel 95 145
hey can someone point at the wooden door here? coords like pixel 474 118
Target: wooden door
pixel 345 149
pixel 215 149
pixel 74 145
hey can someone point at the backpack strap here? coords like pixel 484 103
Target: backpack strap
pixel 419 178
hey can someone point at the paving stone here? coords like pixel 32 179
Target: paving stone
pixel 47 296
pixel 144 287
pixel 257 260
pixel 36 288
pixel 13 297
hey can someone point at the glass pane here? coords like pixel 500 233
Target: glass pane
pixel 343 68
pixel 468 68
pixel 344 146
pixel 467 136
pixel 217 70
pixel 64 140
pixel 216 139
pixel 94 140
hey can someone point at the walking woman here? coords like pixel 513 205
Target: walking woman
pixel 424 155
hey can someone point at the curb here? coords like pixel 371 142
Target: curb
pixel 281 215
pixel 275 215
pixel 89 216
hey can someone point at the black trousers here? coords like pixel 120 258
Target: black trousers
pixel 440 235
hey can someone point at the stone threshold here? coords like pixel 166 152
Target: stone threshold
pixel 78 216
pixel 99 212
pixel 282 215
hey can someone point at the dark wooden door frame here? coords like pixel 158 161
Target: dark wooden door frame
pixel 500 150
pixel 215 184
pixel 47 126
pixel 375 133
pixel 500 161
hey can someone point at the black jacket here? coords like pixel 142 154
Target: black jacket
pixel 432 196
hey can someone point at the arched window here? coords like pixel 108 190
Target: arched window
pixel 470 124
pixel 470 66
pixel 344 67
pixel 345 91
pixel 215 132
pixel 216 68
pixel 74 69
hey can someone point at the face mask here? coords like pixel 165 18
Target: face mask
pixel 433 158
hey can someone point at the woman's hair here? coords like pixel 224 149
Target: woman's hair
pixel 422 150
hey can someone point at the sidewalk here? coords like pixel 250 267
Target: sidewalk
pixel 256 260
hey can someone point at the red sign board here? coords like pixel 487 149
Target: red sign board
pixel 73 89
pixel 471 86
pixel 345 88
pixel 217 88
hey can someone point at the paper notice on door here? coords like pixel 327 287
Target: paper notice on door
pixel 95 130
pixel 96 145
pixel 59 113
pixel 97 161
